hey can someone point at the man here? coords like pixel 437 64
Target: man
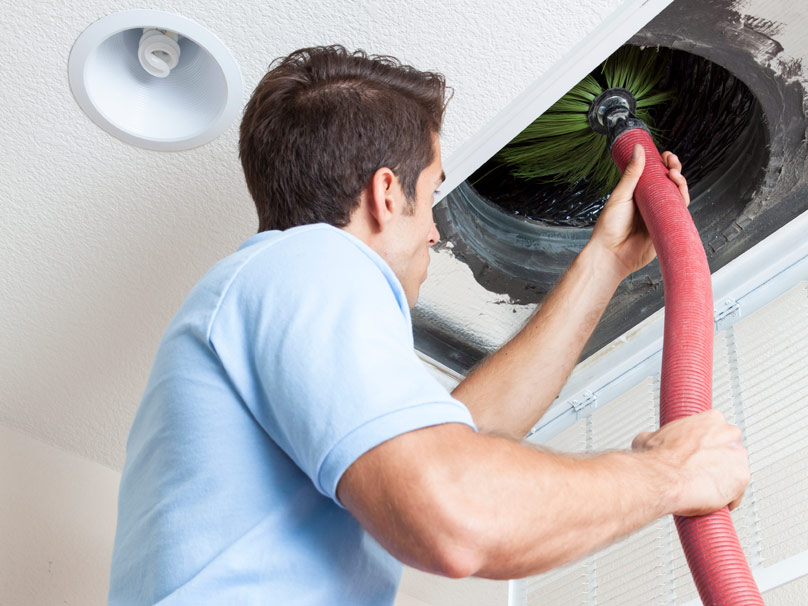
pixel 290 447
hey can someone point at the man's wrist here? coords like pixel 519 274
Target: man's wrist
pixel 666 480
pixel 603 265
pixel 647 486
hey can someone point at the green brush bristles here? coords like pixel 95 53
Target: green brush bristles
pixel 560 146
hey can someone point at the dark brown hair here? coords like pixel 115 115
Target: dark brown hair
pixel 323 120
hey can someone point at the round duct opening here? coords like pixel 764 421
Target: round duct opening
pixel 518 237
pixel 704 124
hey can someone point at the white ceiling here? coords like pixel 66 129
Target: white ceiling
pixel 101 240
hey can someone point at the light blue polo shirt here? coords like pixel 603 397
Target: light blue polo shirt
pixel 287 361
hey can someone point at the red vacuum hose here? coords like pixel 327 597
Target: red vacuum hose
pixel 710 543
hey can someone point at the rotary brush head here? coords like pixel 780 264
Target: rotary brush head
pixel 560 145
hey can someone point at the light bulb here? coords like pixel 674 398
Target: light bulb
pixel 158 51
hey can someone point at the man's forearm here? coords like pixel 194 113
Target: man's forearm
pixel 512 388
pixel 496 508
pixel 568 507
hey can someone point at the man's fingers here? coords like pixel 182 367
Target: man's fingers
pixel 735 503
pixel 639 442
pixel 625 188
pixel 680 181
pixel 671 160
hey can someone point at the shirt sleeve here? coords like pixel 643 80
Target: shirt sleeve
pixel 317 339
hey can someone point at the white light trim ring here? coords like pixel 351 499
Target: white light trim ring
pixel 193 105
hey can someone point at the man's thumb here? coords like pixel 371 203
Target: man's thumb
pixel 632 174
pixel 637 162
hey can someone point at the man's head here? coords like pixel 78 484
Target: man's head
pixel 323 120
pixel 347 139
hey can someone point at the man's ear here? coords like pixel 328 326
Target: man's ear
pixel 383 196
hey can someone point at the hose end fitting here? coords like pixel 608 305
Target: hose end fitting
pixel 613 112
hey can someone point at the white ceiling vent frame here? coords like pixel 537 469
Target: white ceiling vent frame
pixel 492 266
pixel 193 105
pixel 625 21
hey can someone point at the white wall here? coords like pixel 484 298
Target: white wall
pixel 422 589
pixel 57 523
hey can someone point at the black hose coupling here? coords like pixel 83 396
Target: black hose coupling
pixel 613 112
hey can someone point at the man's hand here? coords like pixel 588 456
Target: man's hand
pixel 706 456
pixel 620 232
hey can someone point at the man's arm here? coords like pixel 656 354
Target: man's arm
pixel 454 502
pixel 513 388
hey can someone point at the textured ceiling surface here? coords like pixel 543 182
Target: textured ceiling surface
pixel 101 241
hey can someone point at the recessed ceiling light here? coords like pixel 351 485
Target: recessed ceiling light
pixel 155 79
